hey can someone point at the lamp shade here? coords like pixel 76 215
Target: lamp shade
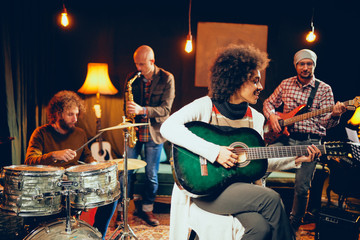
pixel 98 80
pixel 355 119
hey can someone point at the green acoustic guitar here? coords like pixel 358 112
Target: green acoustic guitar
pixel 201 178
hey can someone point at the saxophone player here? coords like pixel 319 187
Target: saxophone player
pixel 149 100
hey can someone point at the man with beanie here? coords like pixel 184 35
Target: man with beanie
pixel 301 89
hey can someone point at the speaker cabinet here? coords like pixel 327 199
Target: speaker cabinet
pixel 334 224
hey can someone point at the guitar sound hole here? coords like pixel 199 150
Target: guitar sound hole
pixel 240 150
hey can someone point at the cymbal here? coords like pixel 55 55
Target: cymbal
pixel 132 163
pixel 123 125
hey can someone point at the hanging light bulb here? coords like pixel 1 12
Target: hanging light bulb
pixel 64 17
pixel 310 37
pixel 189 45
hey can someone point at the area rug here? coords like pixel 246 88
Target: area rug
pixel 143 231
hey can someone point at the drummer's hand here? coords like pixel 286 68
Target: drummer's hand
pixel 134 108
pixel 226 157
pixel 313 152
pixel 64 155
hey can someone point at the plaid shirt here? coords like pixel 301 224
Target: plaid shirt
pixel 143 133
pixel 292 94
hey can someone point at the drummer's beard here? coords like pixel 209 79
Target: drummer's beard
pixel 66 126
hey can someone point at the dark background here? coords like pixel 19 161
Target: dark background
pixel 46 58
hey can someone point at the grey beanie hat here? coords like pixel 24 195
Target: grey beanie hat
pixel 305 53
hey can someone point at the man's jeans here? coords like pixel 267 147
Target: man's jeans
pixel 151 155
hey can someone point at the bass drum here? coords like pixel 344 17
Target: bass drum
pixel 56 230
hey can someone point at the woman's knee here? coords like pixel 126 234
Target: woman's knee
pixel 256 227
pixel 260 230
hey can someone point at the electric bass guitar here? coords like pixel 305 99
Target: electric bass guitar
pixel 295 116
pixel 100 150
pixel 198 177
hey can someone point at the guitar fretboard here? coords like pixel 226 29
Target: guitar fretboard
pixel 277 151
pixel 308 115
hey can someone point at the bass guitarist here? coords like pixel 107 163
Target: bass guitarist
pixel 235 83
pixel 302 89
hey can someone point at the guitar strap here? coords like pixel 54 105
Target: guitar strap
pixel 312 94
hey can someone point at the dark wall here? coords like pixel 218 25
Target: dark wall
pixel 110 31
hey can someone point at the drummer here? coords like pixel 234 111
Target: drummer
pixel 55 144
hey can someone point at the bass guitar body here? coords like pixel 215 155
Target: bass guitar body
pixel 200 177
pixel 270 136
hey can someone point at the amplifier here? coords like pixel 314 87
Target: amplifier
pixel 334 223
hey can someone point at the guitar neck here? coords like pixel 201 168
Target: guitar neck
pixel 308 115
pixel 278 151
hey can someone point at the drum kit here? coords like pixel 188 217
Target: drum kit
pixel 39 190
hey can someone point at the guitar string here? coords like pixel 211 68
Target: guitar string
pixel 312 114
pixel 257 153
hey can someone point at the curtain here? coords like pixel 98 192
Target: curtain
pixel 23 72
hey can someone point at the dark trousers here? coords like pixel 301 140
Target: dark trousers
pixel 259 209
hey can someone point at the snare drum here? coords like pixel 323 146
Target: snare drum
pixel 97 184
pixel 56 230
pixel 32 190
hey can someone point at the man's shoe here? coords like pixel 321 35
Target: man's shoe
pixel 149 218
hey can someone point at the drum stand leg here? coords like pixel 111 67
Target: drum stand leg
pixel 67 185
pixel 127 232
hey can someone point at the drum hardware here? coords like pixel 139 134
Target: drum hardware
pixel 42 196
pixel 67 185
pixel 127 232
pixel 99 192
pixel 74 227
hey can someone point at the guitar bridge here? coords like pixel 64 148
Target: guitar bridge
pixel 203 166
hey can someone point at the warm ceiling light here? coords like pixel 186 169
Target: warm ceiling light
pixel 189 45
pixel 310 37
pixel 64 17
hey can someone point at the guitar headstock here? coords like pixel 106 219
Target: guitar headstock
pixel 355 103
pixel 337 148
pixel 349 149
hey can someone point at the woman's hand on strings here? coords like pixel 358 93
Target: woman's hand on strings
pixel 226 157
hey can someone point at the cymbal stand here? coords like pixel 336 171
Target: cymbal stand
pixel 127 232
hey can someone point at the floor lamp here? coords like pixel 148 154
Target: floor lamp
pixel 98 82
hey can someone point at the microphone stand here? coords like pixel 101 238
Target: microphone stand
pixel 127 232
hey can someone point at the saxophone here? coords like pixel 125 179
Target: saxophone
pixel 130 118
